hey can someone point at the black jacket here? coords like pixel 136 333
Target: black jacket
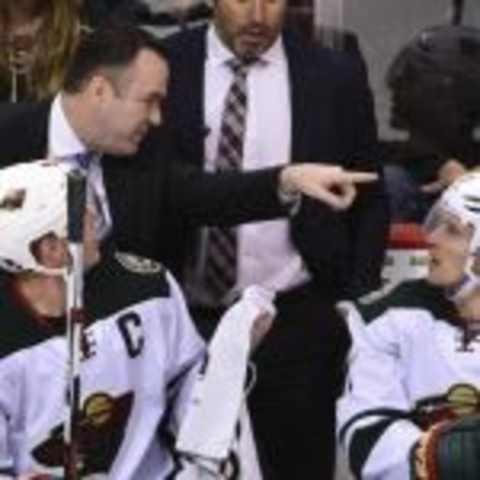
pixel 332 122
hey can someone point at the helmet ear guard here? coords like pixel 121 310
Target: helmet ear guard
pixel 33 203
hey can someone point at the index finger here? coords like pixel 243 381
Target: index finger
pixel 351 176
pixel 333 200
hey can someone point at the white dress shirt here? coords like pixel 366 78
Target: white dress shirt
pixel 266 255
pixel 64 145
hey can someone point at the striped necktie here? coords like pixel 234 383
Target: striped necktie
pixel 85 161
pixel 221 255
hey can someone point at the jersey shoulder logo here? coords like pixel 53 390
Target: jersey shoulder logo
pixel 137 264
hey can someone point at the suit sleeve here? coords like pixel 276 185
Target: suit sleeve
pixel 368 219
pixel 226 198
pixel 371 426
pixel 217 198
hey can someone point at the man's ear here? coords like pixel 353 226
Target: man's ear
pixel 99 86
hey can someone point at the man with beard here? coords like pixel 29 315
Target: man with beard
pixel 246 93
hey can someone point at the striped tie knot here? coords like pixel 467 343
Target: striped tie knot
pixel 241 66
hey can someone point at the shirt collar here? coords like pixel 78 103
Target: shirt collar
pixel 218 53
pixel 62 140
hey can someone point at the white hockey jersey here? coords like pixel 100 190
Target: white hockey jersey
pixel 141 352
pixel 411 364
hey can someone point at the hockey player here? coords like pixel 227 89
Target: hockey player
pixel 414 365
pixel 140 348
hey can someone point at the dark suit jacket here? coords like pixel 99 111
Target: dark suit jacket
pixel 154 198
pixel 332 122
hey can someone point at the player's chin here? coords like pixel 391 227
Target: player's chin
pixel 433 279
pixel 434 274
pixel 438 278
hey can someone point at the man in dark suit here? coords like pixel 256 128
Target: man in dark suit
pixel 304 104
pixel 110 110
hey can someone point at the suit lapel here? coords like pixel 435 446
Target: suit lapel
pixel 298 97
pixel 197 88
pixel 24 136
pixel 37 130
pixel 311 99
pixel 190 94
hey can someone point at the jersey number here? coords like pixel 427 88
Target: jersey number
pixel 130 326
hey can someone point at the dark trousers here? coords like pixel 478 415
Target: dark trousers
pixel 300 373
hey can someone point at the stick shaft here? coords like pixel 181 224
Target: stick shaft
pixel 75 315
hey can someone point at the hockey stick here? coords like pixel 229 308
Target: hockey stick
pixel 76 211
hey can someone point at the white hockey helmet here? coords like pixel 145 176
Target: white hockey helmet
pixel 462 200
pixel 33 203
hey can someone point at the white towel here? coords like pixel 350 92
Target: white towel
pixel 208 430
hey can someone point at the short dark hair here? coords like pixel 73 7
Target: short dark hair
pixel 111 46
pixel 442 59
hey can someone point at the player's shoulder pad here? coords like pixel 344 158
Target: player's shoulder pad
pixel 410 294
